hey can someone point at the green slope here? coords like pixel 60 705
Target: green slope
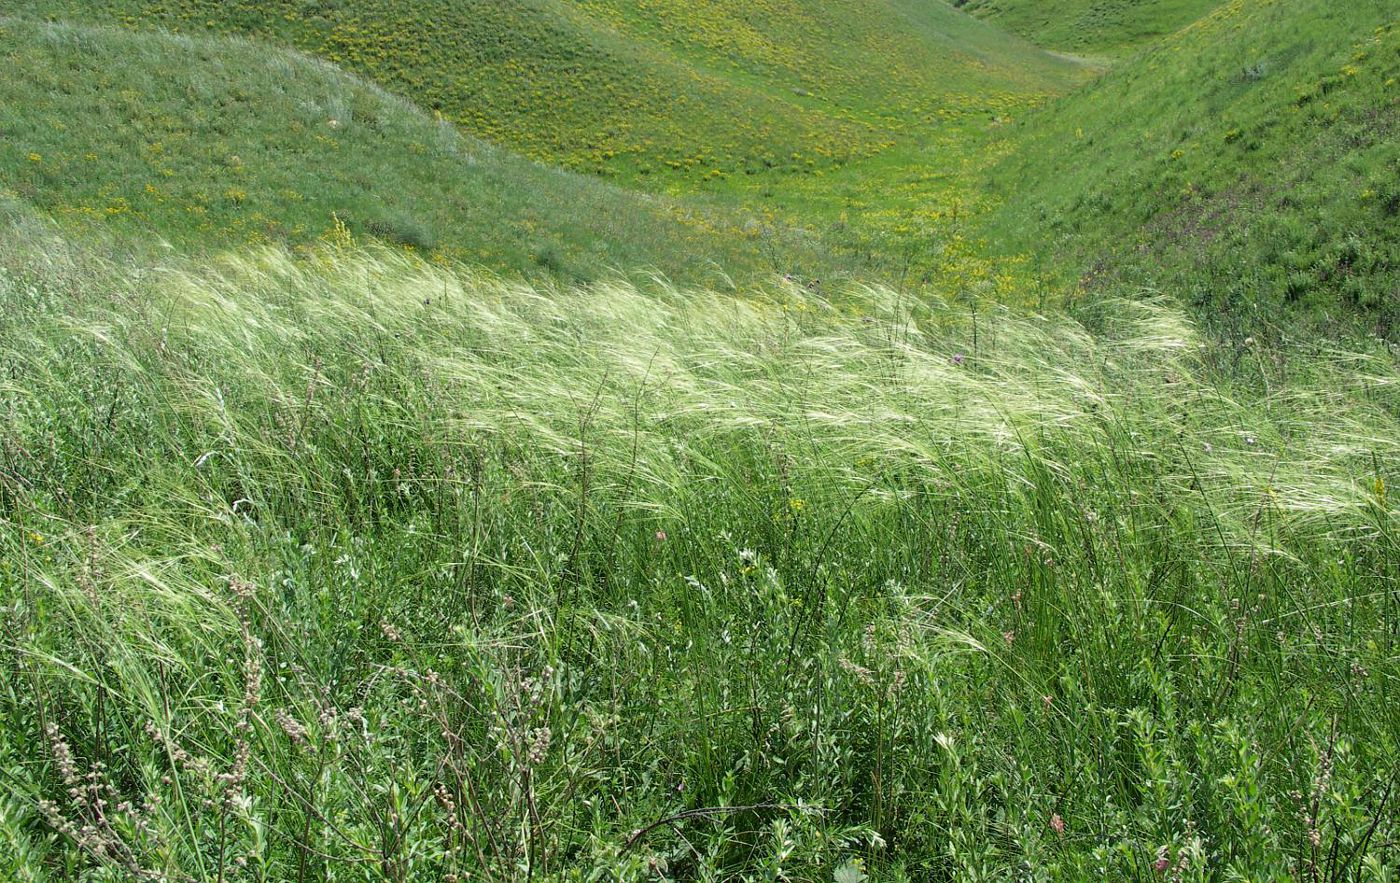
pixel 1247 155
pixel 1096 27
pixel 206 142
pixel 684 92
pixel 1249 161
pixel 360 564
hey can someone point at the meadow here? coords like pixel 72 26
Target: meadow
pixel 203 144
pixel 1245 147
pixel 354 567
pixel 815 140
pixel 626 440
pixel 683 93
pixel 1095 28
pixel 1248 163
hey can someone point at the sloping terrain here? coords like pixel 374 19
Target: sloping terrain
pixel 1250 162
pixel 1255 111
pixel 208 142
pixel 763 106
pixel 353 538
pixel 662 92
pixel 1092 27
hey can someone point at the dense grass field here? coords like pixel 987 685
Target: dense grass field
pixel 353 567
pixel 924 457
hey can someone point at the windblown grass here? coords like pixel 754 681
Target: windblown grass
pixel 353 567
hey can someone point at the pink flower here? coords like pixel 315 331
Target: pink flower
pixel 1010 637
pixel 1058 824
pixel 661 536
pixel 1162 863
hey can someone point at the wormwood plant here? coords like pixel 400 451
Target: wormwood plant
pixel 353 567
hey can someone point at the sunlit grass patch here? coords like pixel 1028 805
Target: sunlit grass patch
pixel 794 581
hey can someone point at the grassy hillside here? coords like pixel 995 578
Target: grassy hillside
pixel 667 93
pixel 208 142
pixel 911 86
pixel 1248 163
pixel 357 568
pixel 1092 27
pixel 327 553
